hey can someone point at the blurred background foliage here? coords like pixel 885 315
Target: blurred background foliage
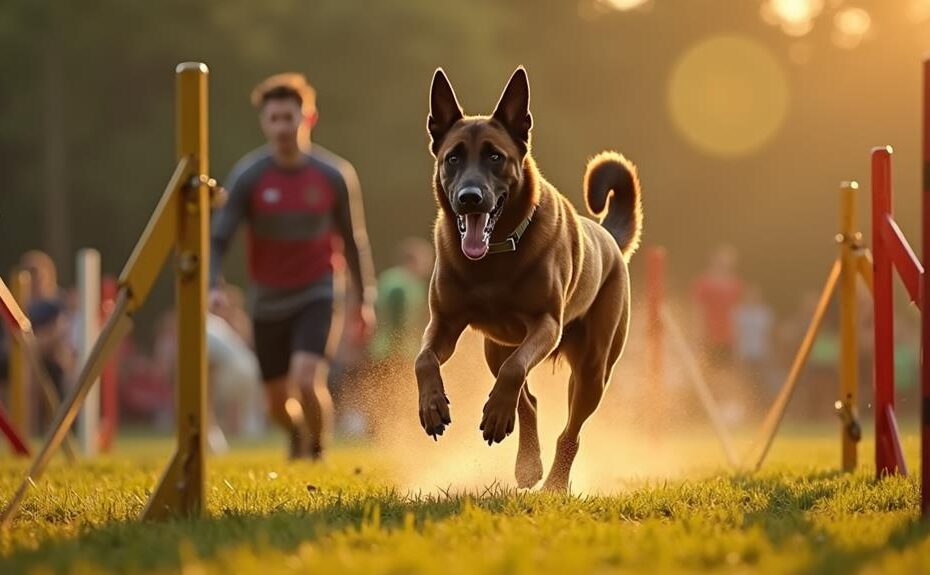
pixel 87 100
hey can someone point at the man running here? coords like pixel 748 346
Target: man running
pixel 301 202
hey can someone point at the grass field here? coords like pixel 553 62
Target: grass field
pixel 349 515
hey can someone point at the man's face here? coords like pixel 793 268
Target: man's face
pixel 280 120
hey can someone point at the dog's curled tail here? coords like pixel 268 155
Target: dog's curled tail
pixel 612 192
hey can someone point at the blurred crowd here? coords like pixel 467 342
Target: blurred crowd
pixel 748 348
pixel 145 373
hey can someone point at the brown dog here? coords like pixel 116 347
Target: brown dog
pixel 516 262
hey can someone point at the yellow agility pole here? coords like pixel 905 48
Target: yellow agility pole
pixel 181 489
pixel 777 411
pixel 180 221
pixel 14 299
pixel 850 242
pixel 25 360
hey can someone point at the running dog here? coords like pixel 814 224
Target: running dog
pixel 515 261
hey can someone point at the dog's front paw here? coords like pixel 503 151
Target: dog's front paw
pixel 500 414
pixel 434 412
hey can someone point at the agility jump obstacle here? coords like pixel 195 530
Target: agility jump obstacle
pixel 893 253
pixel 852 263
pixel 180 223
pixel 99 414
pixel 16 322
pixel 25 365
pixel 98 419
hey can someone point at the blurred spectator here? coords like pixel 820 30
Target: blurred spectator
pixel 43 276
pixel 402 301
pixel 52 336
pixel 233 310
pixel 144 393
pixel 753 319
pixel 403 314
pixel 717 292
pixel 817 387
pixel 235 380
pixel 147 388
pixel 822 370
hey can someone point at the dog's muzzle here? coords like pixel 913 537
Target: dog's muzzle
pixel 469 198
pixel 475 228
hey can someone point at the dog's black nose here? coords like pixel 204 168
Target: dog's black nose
pixel 470 196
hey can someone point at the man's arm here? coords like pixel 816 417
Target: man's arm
pixel 226 219
pixel 350 222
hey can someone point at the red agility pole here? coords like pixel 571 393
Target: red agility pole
pixel 891 249
pixel 887 242
pixel 109 394
pixel 12 436
pixel 13 320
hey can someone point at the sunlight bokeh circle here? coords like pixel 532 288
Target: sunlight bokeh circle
pixel 728 96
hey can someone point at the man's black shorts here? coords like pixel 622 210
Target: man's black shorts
pixel 307 330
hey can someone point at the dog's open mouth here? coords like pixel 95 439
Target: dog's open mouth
pixel 476 229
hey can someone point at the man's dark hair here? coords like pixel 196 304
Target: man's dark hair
pixel 287 86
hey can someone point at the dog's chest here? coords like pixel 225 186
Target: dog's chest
pixel 498 313
pixel 493 300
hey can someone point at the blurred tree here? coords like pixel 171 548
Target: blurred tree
pixel 87 132
pixel 88 105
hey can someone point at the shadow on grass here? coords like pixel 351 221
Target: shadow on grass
pixel 134 545
pixel 833 558
pixel 788 514
pixel 788 511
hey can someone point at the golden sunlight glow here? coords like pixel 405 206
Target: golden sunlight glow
pixel 918 10
pixel 800 52
pixel 794 17
pixel 850 27
pixel 728 96
pixel 623 5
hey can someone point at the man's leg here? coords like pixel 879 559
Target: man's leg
pixel 285 409
pixel 273 349
pixel 315 336
pixel 310 372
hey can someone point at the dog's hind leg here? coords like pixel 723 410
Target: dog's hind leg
pixel 587 390
pixel 592 359
pixel 529 469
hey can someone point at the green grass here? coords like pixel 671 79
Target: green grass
pixel 347 516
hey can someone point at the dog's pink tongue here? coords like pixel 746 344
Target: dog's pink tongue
pixel 474 243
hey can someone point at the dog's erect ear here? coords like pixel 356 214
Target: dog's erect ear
pixel 513 109
pixel 444 109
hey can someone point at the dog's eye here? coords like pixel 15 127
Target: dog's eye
pixel 452 159
pixel 495 157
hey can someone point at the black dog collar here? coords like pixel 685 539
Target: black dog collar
pixel 510 243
